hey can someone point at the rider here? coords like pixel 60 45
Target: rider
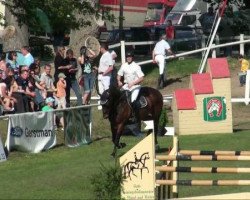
pixel 133 76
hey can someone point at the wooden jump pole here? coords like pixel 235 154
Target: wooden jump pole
pixel 202 158
pixel 202 169
pixel 204 182
pixel 215 152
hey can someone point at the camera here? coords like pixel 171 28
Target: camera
pixel 83 51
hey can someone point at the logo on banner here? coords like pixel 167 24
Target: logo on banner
pixel 214 108
pixel 139 164
pixel 16 131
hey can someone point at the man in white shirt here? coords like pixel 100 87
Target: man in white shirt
pixel 28 58
pixel 105 69
pixel 158 57
pixel 133 76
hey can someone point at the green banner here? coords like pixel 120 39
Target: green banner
pixel 77 126
pixel 214 109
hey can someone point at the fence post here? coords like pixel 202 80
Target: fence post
pixel 247 92
pixel 213 52
pixel 175 164
pixel 242 45
pixel 123 52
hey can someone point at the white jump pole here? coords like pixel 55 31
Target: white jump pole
pixel 212 38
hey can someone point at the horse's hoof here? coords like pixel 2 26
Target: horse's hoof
pixel 121 145
pixel 113 155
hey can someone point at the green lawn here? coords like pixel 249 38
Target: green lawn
pixel 64 173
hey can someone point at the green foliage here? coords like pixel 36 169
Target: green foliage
pixel 163 117
pixel 107 183
pixel 62 16
pixel 162 121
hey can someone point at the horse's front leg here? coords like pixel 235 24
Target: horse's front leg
pixel 120 129
pixel 114 130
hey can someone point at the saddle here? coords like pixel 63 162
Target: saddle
pixel 140 102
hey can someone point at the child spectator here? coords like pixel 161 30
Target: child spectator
pixel 61 93
pixel 244 66
pixel 49 106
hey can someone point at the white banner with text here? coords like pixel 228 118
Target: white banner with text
pixel 31 132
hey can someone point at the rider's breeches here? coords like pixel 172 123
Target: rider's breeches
pixel 103 83
pixel 160 59
pixel 135 89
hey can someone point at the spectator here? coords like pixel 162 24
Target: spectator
pixel 46 78
pixel 49 107
pixel 170 32
pixel 207 21
pixel 88 73
pixel 3 66
pixel 158 57
pixel 24 92
pixel 28 58
pixel 105 69
pixel 12 62
pixel 58 62
pixel 244 66
pixel 70 67
pixel 61 93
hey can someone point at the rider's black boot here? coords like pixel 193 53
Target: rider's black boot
pixel 160 83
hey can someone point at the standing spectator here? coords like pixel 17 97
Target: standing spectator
pixel 158 57
pixel 28 58
pixel 170 32
pixel 207 21
pixel 70 67
pixel 61 93
pixel 58 62
pixel 88 72
pixel 244 66
pixel 46 78
pixel 105 69
pixel 49 107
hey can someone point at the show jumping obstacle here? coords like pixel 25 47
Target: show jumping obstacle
pixel 173 172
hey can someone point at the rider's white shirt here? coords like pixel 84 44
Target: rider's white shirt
pixel 161 47
pixel 130 72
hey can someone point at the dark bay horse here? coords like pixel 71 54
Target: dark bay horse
pixel 117 109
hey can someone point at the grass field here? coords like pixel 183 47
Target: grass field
pixel 65 173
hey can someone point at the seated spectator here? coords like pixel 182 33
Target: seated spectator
pixel 12 62
pixel 24 92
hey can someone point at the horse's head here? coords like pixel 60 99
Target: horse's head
pixel 105 103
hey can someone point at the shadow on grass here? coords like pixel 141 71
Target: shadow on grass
pixel 174 80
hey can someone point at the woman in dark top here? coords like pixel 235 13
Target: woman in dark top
pixel 88 73
pixel 58 62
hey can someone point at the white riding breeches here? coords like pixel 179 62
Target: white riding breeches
pixel 160 59
pixel 135 89
pixel 103 83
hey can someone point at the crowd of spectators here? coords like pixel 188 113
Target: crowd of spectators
pixel 26 85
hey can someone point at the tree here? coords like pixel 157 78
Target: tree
pixel 55 16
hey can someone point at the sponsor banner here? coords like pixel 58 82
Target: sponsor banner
pixel 138 170
pixel 77 126
pixel 214 109
pixel 31 132
pixel 2 153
